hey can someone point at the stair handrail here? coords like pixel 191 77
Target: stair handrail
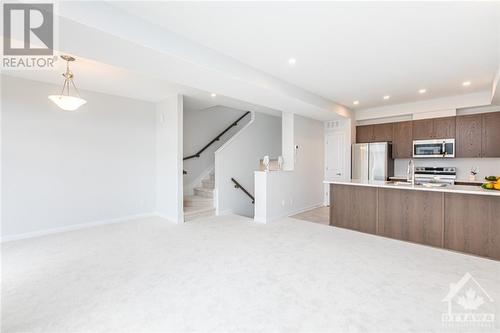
pixel 235 123
pixel 238 185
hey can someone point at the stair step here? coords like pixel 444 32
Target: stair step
pixel 198 201
pixel 191 213
pixel 204 192
pixel 208 183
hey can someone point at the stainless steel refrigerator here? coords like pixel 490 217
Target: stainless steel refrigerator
pixel 372 161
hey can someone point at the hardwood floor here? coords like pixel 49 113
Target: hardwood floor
pixel 318 215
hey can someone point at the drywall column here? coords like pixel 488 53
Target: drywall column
pixel 288 148
pixel 284 193
pixel 169 189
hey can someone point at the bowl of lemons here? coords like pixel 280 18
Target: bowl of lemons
pixel 493 183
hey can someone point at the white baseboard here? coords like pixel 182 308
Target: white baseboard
pixel 225 212
pixel 322 204
pixel 259 219
pixel 74 227
pixel 288 214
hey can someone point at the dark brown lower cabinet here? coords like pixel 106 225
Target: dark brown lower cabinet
pixel 472 224
pixel 415 216
pixel 468 223
pixel 353 207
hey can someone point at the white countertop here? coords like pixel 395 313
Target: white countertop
pixel 464 189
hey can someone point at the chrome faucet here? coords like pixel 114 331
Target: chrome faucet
pixel 410 172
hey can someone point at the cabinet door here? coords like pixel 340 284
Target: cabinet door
pixel 414 216
pixel 423 129
pixel 382 132
pixel 353 207
pixel 468 136
pixel 402 140
pixel 364 134
pixel 444 128
pixel 472 225
pixel 491 135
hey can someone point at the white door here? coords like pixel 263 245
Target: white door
pixel 335 163
pixel 335 155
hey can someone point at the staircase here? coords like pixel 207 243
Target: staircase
pixel 201 204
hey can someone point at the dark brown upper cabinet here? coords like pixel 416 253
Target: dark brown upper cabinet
pixel 423 129
pixel 437 128
pixel 402 140
pixel 444 128
pixel 374 133
pixel 382 132
pixel 491 134
pixel 476 135
pixel 469 136
pixel 364 133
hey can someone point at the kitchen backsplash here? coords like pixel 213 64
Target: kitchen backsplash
pixel 484 166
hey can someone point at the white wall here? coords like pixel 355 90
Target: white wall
pixel 200 127
pixel 283 193
pixel 485 166
pixel 240 157
pixel 61 169
pixel 169 189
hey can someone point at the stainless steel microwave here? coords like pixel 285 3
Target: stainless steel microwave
pixel 434 148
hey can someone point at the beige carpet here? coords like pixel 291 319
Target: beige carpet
pixel 229 274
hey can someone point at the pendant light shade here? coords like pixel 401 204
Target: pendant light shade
pixel 64 100
pixel 67 103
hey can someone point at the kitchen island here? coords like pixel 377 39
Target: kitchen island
pixel 455 217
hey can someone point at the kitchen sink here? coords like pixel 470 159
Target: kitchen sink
pixel 435 184
pixel 426 184
pixel 398 183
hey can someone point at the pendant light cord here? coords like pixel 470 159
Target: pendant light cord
pixel 68 77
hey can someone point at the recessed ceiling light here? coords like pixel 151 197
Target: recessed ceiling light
pixel 292 61
pixel 355 102
pixel 422 91
pixel 466 83
pixel 387 97
pixel 213 95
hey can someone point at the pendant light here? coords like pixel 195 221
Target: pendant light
pixel 65 101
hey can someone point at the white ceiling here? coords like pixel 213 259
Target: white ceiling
pixel 348 51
